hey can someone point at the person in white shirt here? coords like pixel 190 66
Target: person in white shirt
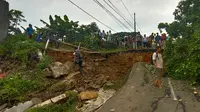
pixel 159 65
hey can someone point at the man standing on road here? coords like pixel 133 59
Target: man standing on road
pixel 159 65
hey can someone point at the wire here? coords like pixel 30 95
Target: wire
pixel 101 5
pixel 139 28
pixel 91 15
pixel 118 13
pixel 121 14
pixel 127 9
pixel 114 17
pixel 131 16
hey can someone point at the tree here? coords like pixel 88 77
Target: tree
pixel 182 54
pixel 68 29
pixel 15 18
pixel 187 17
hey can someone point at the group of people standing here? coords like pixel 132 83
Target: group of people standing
pixel 140 41
pixel 106 36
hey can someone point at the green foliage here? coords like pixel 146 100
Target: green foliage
pixel 68 30
pixel 186 17
pixel 19 47
pixel 15 18
pixel 91 43
pixel 69 106
pixel 44 62
pixel 182 58
pixel 182 55
pixel 109 45
pixel 14 86
pixel 121 35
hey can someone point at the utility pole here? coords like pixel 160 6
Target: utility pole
pixel 135 24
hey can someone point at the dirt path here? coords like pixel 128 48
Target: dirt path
pixel 138 95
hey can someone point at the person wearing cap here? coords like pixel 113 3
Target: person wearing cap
pixel 159 65
pixel 29 31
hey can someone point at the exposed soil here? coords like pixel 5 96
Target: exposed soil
pixel 96 74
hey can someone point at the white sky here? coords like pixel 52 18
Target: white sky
pixel 149 13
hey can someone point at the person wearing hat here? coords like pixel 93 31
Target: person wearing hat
pixel 29 31
pixel 159 65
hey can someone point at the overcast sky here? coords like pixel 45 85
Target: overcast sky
pixel 149 13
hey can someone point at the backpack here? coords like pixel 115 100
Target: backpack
pixel 151 60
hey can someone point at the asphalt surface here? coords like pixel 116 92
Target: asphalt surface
pixel 139 95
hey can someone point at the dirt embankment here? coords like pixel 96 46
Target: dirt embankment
pixel 96 74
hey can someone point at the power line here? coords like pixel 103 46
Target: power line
pixel 130 15
pixel 114 17
pixel 101 5
pixel 121 14
pixel 91 15
pixel 139 28
pixel 117 12
pixel 127 9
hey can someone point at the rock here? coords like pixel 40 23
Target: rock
pixel 36 101
pixel 60 69
pixel 62 85
pixel 96 63
pixel 89 68
pixel 109 84
pixel 95 86
pixel 21 107
pixel 48 73
pixel 84 64
pixel 71 75
pixel 57 64
pixel 58 98
pixel 47 102
pixel 68 65
pixel 100 60
pixel 80 89
pixel 88 95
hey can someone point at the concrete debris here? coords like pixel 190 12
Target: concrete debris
pixel 21 107
pixel 94 104
pixel 52 100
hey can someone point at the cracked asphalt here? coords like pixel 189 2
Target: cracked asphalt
pixel 139 95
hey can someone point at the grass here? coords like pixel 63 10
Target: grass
pixel 68 106
pixel 112 50
pixel 14 87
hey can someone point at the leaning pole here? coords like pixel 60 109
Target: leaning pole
pixel 4 22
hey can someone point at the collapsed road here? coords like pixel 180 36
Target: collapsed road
pixel 139 95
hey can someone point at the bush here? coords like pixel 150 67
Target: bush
pixel 44 62
pixel 13 87
pixel 182 58
pixel 19 47
pixel 91 43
